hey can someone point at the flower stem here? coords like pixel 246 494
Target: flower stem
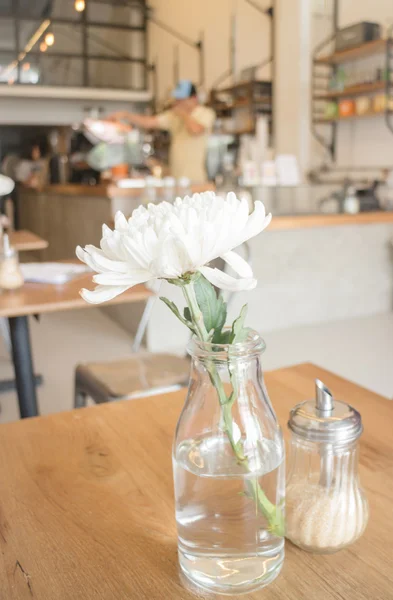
pixel 197 316
pixel 271 512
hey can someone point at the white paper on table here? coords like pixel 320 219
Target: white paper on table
pixel 52 272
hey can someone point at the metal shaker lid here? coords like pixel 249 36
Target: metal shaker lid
pixel 325 419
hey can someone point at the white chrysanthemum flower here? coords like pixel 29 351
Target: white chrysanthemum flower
pixel 168 241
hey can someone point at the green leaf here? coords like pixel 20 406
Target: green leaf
pixel 176 312
pixel 207 299
pixel 187 314
pixel 213 308
pixel 221 314
pixel 239 332
pixel 222 337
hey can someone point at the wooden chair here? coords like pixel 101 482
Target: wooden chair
pixel 142 374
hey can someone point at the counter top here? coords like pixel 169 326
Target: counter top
pixel 302 221
pixel 283 222
pixel 104 190
pixel 73 189
pixel 116 192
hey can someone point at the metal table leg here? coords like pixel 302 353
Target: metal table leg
pixel 23 365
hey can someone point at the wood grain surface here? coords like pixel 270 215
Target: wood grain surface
pixel 87 510
pixel 116 192
pixel 24 240
pixel 61 217
pixel 107 190
pixel 39 298
pixel 329 220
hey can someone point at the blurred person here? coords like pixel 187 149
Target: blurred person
pixel 80 171
pixel 33 168
pixel 189 123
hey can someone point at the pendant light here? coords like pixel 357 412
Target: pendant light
pixel 49 39
pixel 79 5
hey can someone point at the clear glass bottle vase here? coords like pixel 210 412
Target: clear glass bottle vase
pixel 229 473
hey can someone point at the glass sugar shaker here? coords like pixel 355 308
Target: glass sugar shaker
pixel 326 507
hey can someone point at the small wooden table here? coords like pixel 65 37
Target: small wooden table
pixel 24 240
pixel 37 299
pixel 87 509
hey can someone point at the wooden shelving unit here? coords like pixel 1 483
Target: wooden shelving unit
pixel 321 120
pixel 222 106
pixel 354 90
pixel 332 60
pixel 342 56
pixel 254 97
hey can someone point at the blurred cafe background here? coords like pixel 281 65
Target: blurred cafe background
pixel 293 105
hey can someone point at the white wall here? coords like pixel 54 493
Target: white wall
pixel 305 277
pixel 44 111
pixel 292 83
pixel 213 17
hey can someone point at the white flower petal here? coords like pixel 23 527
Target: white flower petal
pixel 172 260
pixel 106 231
pixel 238 264
pixel 87 259
pixel 136 252
pixel 127 279
pixel 112 246
pixel 226 282
pixel 104 263
pixel 96 260
pixel 121 223
pixel 257 222
pixel 102 293
pixel 80 253
pixel 166 241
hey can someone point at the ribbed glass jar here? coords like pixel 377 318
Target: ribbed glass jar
pixel 326 507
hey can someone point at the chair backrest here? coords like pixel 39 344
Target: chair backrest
pixel 143 323
pixel 155 288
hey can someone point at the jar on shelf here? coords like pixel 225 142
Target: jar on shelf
pixel 326 507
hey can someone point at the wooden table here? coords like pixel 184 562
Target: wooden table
pixel 87 510
pixel 37 299
pixel 23 240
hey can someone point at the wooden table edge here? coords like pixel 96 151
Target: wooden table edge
pixel 327 376
pixel 283 222
pixel 138 296
pixel 272 374
pixel 36 243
